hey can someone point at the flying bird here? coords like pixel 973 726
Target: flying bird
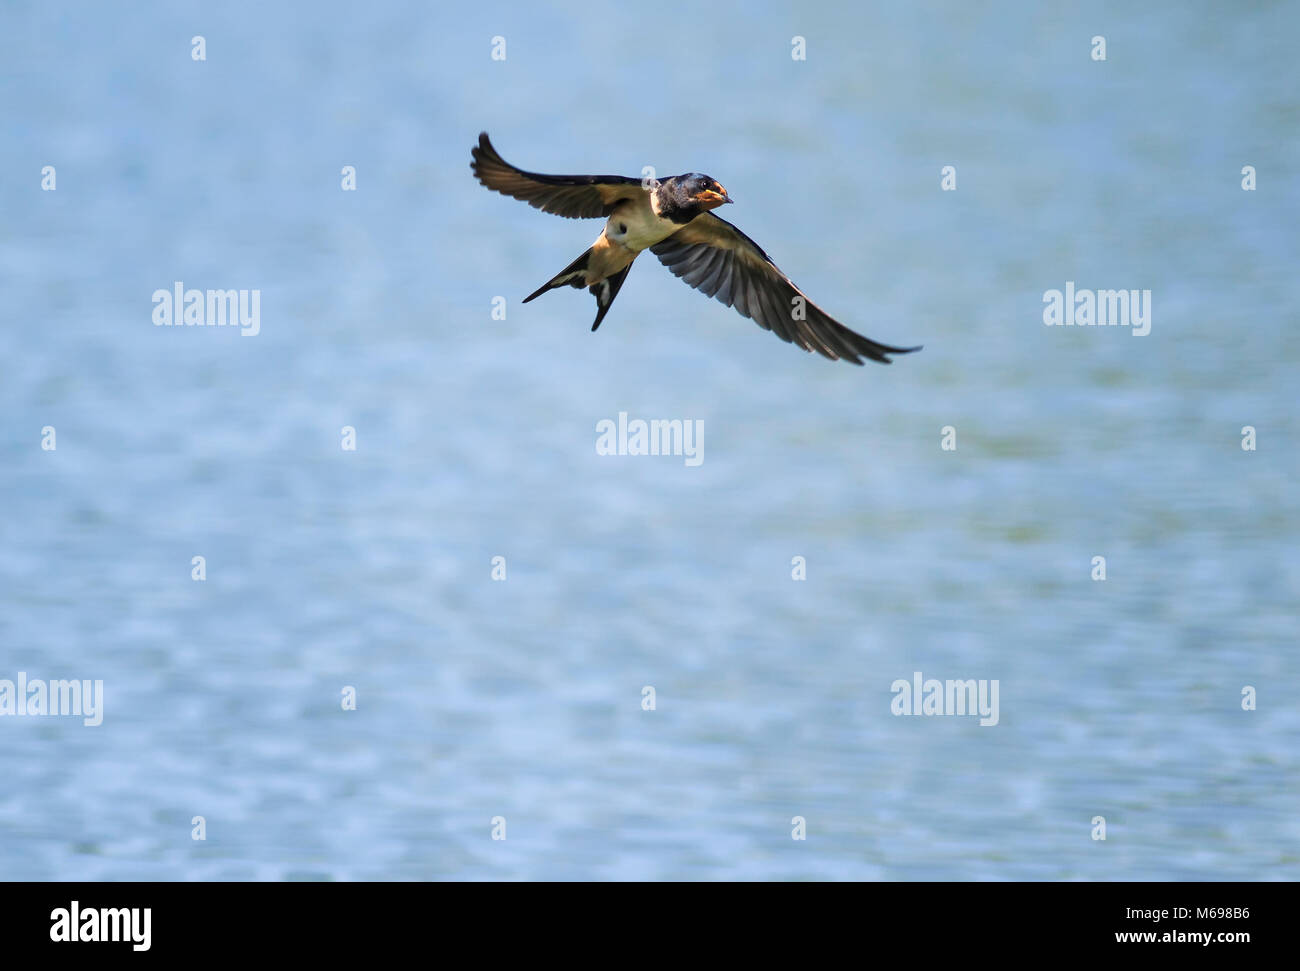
pixel 673 219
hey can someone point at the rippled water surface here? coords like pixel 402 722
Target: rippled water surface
pixel 475 439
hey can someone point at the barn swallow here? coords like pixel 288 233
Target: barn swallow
pixel 673 219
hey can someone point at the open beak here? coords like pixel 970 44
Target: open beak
pixel 716 198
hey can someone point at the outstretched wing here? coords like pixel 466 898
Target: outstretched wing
pixel 720 261
pixel 571 196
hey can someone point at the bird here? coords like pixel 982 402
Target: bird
pixel 674 219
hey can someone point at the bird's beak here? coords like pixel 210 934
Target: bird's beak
pixel 708 196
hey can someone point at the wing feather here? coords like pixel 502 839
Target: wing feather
pixel 713 256
pixel 570 196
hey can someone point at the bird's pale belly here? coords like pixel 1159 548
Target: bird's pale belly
pixel 637 227
pixel 630 229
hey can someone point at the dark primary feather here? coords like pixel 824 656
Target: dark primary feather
pixel 571 196
pixel 720 261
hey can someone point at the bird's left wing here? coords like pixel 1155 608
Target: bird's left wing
pixel 720 261
pixel 570 196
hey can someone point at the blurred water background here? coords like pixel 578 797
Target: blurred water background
pixel 476 439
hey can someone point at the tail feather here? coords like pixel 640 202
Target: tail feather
pixel 574 275
pixel 605 291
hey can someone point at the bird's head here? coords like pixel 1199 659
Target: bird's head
pixel 703 191
pixel 698 192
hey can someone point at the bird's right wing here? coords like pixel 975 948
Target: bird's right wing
pixel 720 261
pixel 570 196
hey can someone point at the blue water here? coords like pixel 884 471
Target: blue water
pixel 476 437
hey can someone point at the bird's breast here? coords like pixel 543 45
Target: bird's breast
pixel 633 224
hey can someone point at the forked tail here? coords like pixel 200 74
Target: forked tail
pixel 575 275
